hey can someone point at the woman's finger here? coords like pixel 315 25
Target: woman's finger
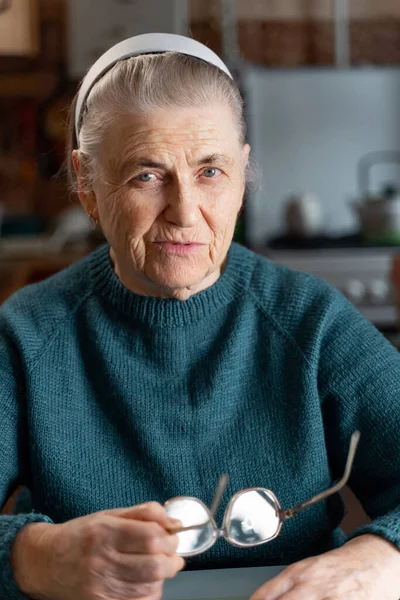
pixel 144 568
pixel 303 592
pixel 275 588
pixel 127 589
pixel 150 511
pixel 298 592
pixel 139 537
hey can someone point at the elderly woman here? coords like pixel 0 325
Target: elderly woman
pixel 171 355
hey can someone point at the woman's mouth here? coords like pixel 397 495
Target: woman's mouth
pixel 178 248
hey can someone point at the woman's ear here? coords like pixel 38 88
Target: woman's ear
pixel 87 197
pixel 245 159
pixel 245 155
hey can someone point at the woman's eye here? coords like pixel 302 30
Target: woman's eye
pixel 146 177
pixel 211 172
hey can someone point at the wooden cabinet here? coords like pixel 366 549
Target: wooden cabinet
pixel 375 32
pixel 32 110
pixel 295 33
pixel 32 48
pixel 19 28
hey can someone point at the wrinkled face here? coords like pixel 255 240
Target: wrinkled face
pixel 168 193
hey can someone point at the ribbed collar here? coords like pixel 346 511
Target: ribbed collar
pixel 170 312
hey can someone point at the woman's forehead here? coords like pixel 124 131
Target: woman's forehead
pixel 196 132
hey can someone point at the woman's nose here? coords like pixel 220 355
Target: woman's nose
pixel 183 206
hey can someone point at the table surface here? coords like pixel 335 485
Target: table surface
pixel 218 584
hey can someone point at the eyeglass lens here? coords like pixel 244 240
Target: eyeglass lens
pixel 252 518
pixel 190 512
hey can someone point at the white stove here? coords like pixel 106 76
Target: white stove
pixel 361 274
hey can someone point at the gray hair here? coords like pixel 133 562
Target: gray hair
pixel 141 85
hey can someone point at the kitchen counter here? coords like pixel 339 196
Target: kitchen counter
pixel 24 261
pixel 37 246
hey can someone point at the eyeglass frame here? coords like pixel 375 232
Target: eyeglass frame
pixel 283 514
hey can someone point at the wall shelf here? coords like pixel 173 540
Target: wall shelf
pixel 27 85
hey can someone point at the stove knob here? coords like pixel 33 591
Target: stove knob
pixel 355 291
pixel 378 291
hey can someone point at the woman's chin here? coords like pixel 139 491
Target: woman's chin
pixel 173 279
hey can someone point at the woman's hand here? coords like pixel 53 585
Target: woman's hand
pixel 365 568
pixel 116 554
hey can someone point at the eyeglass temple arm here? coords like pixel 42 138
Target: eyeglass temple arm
pixel 222 483
pixel 290 512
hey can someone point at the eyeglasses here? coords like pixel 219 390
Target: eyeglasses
pixel 252 517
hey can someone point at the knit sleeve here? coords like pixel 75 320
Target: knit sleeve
pixel 14 464
pixel 360 389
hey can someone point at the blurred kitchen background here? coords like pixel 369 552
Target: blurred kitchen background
pixel 321 81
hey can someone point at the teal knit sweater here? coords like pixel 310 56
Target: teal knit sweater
pixel 109 399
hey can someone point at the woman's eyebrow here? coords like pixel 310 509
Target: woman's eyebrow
pixel 220 159
pixel 150 163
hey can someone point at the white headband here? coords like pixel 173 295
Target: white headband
pixel 134 46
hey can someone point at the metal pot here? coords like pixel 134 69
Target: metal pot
pixel 303 215
pixel 379 214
